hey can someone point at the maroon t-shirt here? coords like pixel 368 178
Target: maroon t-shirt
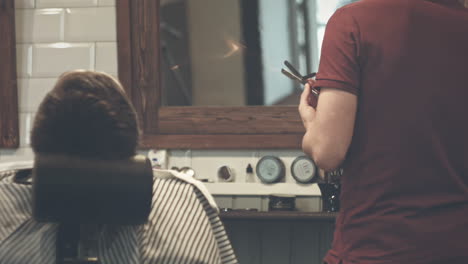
pixel 405 185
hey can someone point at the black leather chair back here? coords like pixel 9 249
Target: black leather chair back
pixel 81 191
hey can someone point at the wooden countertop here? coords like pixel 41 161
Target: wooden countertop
pixel 277 215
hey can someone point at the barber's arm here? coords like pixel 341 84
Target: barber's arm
pixel 329 128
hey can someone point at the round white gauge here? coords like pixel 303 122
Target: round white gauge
pixel 270 169
pixel 303 169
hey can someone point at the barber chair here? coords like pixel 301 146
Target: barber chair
pixel 82 194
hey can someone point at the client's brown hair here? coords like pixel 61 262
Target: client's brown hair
pixel 86 114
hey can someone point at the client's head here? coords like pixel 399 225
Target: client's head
pixel 87 114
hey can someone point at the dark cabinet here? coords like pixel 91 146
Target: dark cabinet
pixel 279 237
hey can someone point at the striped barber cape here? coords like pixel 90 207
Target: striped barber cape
pixel 183 226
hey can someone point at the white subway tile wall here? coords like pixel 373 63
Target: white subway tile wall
pixel 25 3
pixel 39 25
pixel 106 2
pixel 19 154
pixel 106 57
pixel 90 24
pixel 61 57
pixel 66 3
pixel 25 124
pixel 31 91
pixel 24 60
pixel 54 36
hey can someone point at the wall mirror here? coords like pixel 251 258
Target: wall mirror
pixel 206 73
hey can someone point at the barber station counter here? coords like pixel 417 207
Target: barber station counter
pixel 279 237
pixel 260 235
pixel 277 215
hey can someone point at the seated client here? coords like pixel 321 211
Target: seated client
pixel 88 115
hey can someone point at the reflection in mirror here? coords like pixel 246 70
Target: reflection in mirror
pixel 230 52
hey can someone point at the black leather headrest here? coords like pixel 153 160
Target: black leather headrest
pixel 73 190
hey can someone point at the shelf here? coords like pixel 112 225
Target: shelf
pixel 232 188
pixel 277 215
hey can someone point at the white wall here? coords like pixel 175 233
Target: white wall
pixel 54 36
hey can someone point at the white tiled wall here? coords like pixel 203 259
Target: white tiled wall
pixel 54 36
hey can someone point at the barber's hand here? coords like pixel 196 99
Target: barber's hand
pixel 307 103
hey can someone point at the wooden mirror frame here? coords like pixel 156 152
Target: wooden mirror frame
pixel 9 128
pixel 250 127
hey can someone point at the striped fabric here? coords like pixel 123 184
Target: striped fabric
pixel 183 227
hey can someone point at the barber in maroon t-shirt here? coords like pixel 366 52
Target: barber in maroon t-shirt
pixel 393 112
